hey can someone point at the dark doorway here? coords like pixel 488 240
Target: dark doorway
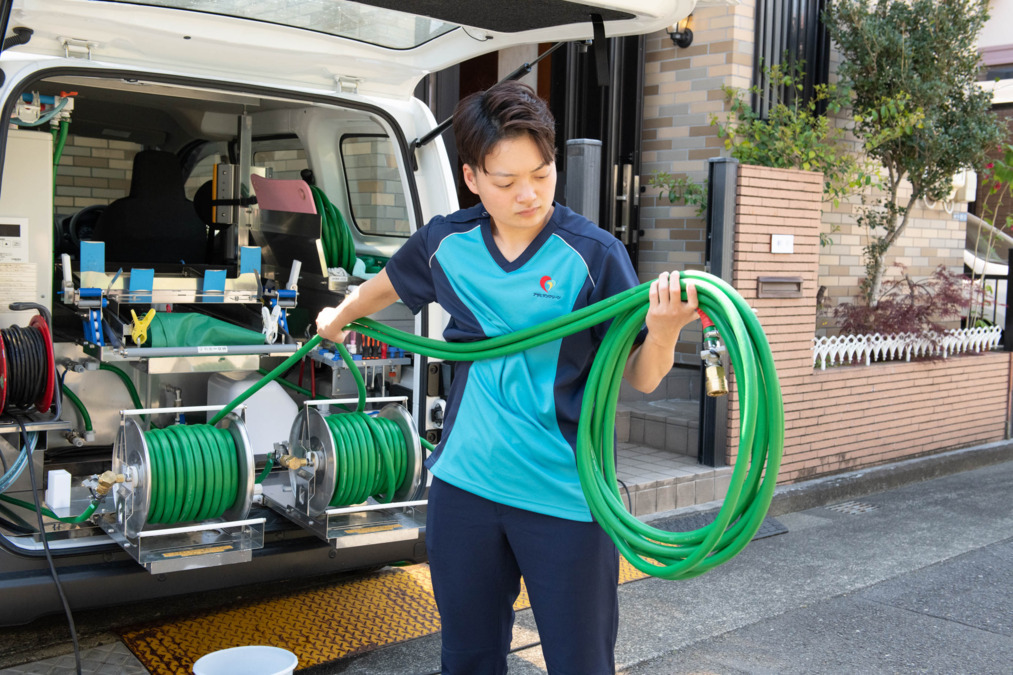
pixel 610 110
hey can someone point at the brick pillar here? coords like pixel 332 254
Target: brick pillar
pixel 778 202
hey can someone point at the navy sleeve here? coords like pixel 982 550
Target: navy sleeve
pixel 615 275
pixel 410 273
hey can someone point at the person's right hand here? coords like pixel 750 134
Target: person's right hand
pixel 329 324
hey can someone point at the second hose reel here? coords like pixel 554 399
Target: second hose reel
pixel 353 478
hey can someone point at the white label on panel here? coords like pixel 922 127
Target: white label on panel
pixel 17 284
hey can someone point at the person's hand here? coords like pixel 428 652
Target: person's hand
pixel 668 314
pixel 329 324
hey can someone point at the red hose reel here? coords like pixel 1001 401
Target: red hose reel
pixel 14 365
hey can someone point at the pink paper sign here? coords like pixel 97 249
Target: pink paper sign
pixel 281 194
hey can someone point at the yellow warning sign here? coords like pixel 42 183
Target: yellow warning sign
pixel 374 528
pixel 199 551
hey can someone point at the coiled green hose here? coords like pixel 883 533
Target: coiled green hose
pixel 339 247
pixel 670 555
pixel 372 458
pixel 194 472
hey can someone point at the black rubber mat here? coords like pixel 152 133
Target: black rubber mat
pixel 694 521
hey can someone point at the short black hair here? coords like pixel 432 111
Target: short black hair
pixel 505 110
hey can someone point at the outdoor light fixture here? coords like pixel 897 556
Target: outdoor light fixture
pixel 680 33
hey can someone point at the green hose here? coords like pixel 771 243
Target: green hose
pixel 279 370
pixel 339 247
pixel 268 465
pixel 372 458
pixel 670 555
pixel 85 515
pixel 126 381
pixel 60 139
pixel 72 397
pixel 194 473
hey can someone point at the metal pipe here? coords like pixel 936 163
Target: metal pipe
pixel 210 350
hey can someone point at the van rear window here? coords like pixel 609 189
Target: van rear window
pixel 375 191
pixel 341 18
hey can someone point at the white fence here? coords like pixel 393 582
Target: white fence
pixel 855 349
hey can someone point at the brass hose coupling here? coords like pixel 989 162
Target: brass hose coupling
pixel 292 462
pixel 106 481
pixel 715 381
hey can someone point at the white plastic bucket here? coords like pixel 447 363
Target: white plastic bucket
pixel 250 660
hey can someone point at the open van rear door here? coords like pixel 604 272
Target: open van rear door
pixel 372 46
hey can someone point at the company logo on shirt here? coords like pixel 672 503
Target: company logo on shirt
pixel 547 285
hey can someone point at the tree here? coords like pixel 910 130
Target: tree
pixel 921 53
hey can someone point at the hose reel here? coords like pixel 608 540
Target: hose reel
pixel 352 473
pixel 27 365
pixel 185 494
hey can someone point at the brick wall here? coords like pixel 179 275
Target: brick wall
pixel 857 416
pixel 682 89
pixel 933 237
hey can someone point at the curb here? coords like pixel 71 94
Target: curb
pixel 844 486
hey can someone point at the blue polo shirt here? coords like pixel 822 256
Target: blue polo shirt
pixel 510 427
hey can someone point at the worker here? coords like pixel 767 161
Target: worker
pixel 505 499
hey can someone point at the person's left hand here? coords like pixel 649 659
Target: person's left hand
pixel 668 314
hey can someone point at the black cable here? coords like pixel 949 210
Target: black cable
pixel 45 546
pixel 16 529
pixel 629 500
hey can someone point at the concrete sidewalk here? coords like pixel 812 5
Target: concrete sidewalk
pixel 915 579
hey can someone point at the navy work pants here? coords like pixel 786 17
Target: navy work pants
pixel 478 551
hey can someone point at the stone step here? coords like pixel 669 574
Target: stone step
pixel 667 424
pixel 657 480
pixel 658 435
pixel 681 383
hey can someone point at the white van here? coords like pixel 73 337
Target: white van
pixel 233 166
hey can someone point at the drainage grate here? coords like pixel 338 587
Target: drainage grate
pixel 852 508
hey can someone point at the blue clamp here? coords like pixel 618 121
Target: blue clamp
pixel 93 319
pixel 287 297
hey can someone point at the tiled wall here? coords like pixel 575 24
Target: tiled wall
pixel 92 171
pixel 683 88
pixel 374 186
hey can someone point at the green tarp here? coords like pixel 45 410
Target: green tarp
pixel 197 330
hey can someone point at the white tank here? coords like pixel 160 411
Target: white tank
pixel 269 413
